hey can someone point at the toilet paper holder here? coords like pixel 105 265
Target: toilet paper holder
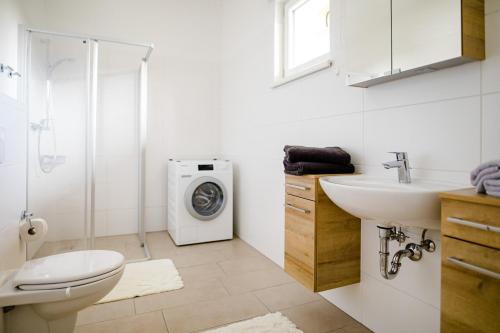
pixel 27 216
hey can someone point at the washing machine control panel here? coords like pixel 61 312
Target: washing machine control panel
pixel 205 167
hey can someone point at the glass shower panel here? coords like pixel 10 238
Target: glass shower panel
pixel 57 120
pixel 117 152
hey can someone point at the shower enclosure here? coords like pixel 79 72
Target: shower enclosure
pixel 86 134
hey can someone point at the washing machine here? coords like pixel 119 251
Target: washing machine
pixel 200 201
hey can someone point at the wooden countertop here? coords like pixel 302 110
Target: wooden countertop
pixel 470 195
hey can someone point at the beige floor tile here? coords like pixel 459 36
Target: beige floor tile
pixel 190 258
pixel 194 292
pixel 246 264
pixel 201 272
pixel 106 311
pixel 318 317
pixel 159 237
pixel 285 296
pixel 205 315
pixel 152 322
pixel 50 248
pixel 244 282
pixel 356 328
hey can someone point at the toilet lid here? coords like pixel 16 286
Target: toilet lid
pixel 67 267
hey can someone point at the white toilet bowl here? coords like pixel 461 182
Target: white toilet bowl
pixel 48 292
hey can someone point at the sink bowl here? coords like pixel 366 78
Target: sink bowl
pixel 386 201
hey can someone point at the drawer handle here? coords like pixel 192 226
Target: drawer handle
pixel 471 224
pixel 477 269
pixel 298 187
pixel 302 210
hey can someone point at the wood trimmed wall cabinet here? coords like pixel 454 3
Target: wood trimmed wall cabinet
pixel 322 242
pixel 408 38
pixel 470 262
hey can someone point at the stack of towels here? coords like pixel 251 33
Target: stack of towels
pixel 301 160
pixel 486 178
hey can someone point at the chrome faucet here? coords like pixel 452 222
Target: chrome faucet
pixel 403 164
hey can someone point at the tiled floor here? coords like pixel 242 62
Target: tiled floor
pixel 225 282
pixel 128 245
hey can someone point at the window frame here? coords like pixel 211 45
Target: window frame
pixel 283 73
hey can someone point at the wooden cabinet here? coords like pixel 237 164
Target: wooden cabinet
pixel 470 263
pixel 322 242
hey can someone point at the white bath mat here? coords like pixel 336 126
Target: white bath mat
pixel 270 323
pixel 145 278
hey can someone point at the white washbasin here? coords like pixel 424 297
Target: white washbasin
pixel 386 201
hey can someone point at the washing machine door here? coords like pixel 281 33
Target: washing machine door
pixel 206 198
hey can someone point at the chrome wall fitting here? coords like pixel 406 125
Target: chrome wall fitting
pixel 9 71
pixel 412 251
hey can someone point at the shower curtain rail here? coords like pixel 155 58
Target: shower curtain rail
pixel 149 46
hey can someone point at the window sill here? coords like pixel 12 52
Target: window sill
pixel 278 82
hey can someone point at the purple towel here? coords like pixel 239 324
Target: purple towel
pixel 315 168
pixel 485 172
pixel 333 155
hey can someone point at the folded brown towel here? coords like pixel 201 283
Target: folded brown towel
pixel 312 168
pixel 334 155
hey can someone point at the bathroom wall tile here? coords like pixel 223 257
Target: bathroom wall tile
pixel 101 223
pixel 344 131
pixel 418 130
pixel 265 177
pixel 65 226
pixel 420 280
pixel 122 222
pixel 458 178
pixel 156 219
pixel 408 313
pixel 205 315
pixel 491 65
pixel 122 195
pixel 123 168
pixel 101 196
pixel 445 84
pixel 491 127
pixel 348 299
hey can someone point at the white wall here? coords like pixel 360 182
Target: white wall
pixel 12 130
pixel 448 122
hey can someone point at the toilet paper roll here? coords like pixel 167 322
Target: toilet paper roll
pixel 34 231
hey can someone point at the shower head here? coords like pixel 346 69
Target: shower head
pixel 55 64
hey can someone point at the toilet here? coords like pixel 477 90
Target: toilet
pixel 45 294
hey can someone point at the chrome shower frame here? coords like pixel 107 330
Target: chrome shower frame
pixel 91 125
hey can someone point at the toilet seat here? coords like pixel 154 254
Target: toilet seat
pixel 68 270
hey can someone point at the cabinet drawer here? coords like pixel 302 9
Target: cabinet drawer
pixel 302 187
pixel 300 230
pixel 472 222
pixel 470 287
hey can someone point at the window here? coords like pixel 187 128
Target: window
pixel 302 38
